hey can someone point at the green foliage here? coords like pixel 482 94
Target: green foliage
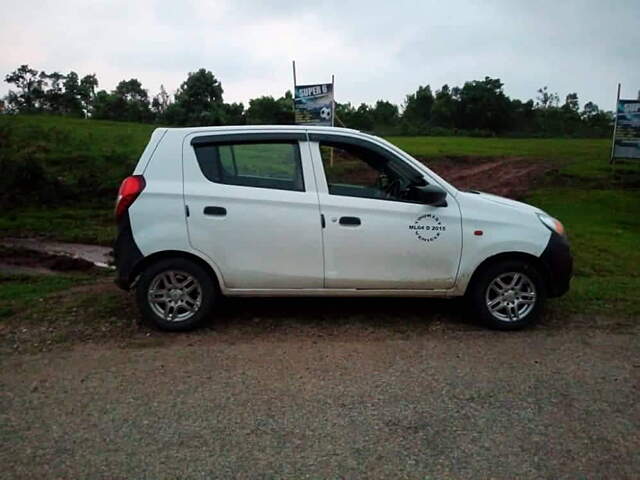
pixel 80 224
pixel 128 102
pixel 478 108
pixel 198 101
pixel 55 161
pixel 418 108
pixel 268 110
pixel 604 230
pixel 360 118
pixel 385 114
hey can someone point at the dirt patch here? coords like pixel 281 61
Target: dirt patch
pixel 27 258
pixel 511 177
pixel 98 255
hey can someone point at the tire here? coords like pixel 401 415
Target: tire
pixel 508 295
pixel 184 293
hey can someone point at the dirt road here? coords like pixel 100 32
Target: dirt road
pixel 451 403
pixel 510 177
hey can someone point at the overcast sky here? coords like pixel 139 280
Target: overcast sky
pixel 376 49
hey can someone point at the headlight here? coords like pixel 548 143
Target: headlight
pixel 552 224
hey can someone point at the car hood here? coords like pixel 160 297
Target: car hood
pixel 490 198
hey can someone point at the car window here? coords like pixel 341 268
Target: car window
pixel 358 172
pixel 263 165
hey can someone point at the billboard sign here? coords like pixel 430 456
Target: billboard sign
pixel 626 138
pixel 314 104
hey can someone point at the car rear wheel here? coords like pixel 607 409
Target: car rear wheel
pixel 175 294
pixel 509 294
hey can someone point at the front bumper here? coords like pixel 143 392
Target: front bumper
pixel 559 263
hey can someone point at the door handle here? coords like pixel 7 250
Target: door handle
pixel 215 211
pixel 350 221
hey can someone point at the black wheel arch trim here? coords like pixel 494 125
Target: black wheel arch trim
pixel 559 263
pixel 555 264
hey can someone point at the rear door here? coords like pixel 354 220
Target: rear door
pixel 253 208
pixel 375 238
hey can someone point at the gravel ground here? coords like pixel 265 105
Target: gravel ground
pixel 461 404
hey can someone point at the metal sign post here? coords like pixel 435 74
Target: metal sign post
pixel 615 125
pixel 294 90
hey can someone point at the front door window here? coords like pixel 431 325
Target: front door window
pixel 353 171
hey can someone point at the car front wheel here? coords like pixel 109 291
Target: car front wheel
pixel 175 294
pixel 509 295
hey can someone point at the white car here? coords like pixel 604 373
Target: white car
pixel 321 211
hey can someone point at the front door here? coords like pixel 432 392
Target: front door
pixel 253 209
pixel 375 237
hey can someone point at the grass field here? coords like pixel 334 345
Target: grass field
pixel 599 205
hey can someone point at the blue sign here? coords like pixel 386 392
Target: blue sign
pixel 314 104
pixel 626 142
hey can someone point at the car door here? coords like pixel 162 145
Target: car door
pixel 374 237
pixel 253 208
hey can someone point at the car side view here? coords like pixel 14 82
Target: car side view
pixel 321 211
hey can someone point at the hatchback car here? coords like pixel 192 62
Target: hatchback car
pixel 321 211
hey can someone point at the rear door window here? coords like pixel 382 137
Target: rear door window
pixel 251 164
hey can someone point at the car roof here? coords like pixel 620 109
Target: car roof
pixel 249 128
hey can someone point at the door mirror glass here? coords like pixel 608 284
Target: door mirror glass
pixel 429 195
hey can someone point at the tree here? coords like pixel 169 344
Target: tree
pixel 546 99
pixel 267 110
pixel 128 102
pixel 522 116
pixel 571 102
pixel 87 92
pixel 385 113
pixel 589 111
pixel 418 107
pixel 234 113
pixel 53 97
pixel 443 111
pixel 483 105
pixel 72 102
pixel 198 101
pixel 360 118
pixel 30 89
pixel 160 102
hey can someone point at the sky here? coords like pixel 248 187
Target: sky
pixel 375 49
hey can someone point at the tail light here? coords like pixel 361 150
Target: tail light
pixel 129 190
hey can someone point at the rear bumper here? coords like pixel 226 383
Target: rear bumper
pixel 126 254
pixel 559 262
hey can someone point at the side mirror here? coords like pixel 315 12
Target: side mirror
pixel 429 195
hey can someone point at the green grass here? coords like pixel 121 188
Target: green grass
pixel 93 225
pixel 599 205
pixel 604 230
pixel 83 161
pixel 18 292
pixel 74 144
pixel 590 155
pixel 90 158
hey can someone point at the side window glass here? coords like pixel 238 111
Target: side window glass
pixel 358 172
pixel 263 165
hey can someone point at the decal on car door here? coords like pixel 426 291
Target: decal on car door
pixel 427 227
